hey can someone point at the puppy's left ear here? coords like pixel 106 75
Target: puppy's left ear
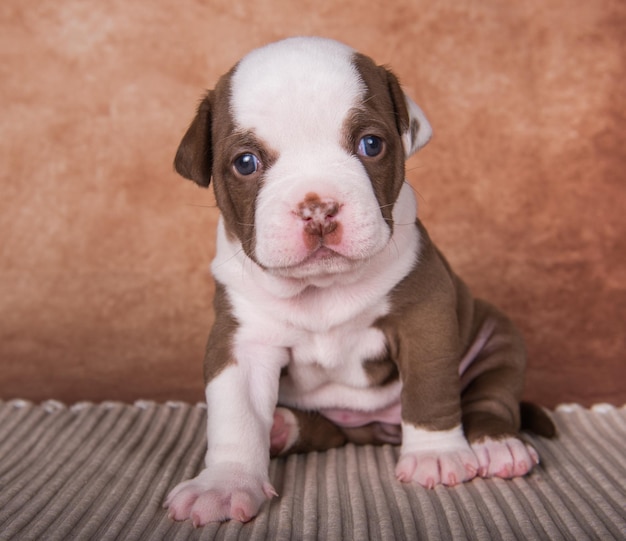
pixel 413 125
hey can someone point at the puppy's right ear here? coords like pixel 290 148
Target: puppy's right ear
pixel 414 127
pixel 194 157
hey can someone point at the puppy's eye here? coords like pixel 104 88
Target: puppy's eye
pixel 370 146
pixel 246 164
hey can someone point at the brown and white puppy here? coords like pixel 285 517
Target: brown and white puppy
pixel 331 300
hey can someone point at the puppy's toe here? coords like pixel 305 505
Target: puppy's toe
pixel 430 469
pixel 220 493
pixel 506 458
pixel 432 457
pixel 181 500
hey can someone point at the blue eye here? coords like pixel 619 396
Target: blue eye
pixel 370 146
pixel 246 164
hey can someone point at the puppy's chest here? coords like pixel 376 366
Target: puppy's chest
pixel 353 354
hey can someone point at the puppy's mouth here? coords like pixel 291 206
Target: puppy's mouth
pixel 322 261
pixel 323 253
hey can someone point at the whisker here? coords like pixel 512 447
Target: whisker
pixel 246 260
pixel 391 221
pixel 203 206
pixel 415 168
pixel 415 191
pixel 230 258
pixel 395 245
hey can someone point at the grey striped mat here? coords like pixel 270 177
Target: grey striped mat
pixel 102 471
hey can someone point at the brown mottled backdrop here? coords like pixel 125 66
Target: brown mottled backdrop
pixel 104 251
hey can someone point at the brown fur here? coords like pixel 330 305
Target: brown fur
pixel 207 152
pixel 424 335
pixel 494 382
pixel 316 433
pixel 218 353
pixel 381 371
pixel 382 113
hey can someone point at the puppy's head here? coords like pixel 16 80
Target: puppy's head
pixel 305 141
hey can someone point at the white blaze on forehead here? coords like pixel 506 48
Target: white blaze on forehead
pixel 295 96
pixel 296 90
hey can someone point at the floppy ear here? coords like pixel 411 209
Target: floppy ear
pixel 194 157
pixel 413 125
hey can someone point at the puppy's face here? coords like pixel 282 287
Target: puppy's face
pixel 305 141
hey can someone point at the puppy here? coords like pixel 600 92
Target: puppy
pixel 331 300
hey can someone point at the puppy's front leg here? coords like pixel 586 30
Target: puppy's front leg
pixel 240 404
pixel 423 337
pixel 434 447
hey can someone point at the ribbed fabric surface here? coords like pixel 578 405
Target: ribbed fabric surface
pixel 100 472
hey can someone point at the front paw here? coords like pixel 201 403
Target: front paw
pixel 430 469
pixel 220 492
pixel 507 457
pixel 431 458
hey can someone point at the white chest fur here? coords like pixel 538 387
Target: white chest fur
pixel 326 368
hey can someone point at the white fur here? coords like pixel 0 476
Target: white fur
pixel 240 402
pixel 318 99
pixel 430 457
pixel 280 244
pixel 240 406
pixel 230 490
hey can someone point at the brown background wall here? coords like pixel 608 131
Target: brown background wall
pixel 104 251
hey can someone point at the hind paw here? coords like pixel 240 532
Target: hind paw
pixel 285 431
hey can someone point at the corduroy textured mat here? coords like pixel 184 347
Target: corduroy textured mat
pixel 102 471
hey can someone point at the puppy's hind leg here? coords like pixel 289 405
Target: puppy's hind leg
pixel 296 431
pixel 492 377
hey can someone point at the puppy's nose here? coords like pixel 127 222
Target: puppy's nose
pixel 319 215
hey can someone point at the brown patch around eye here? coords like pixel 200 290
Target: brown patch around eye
pixel 236 195
pixel 377 114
